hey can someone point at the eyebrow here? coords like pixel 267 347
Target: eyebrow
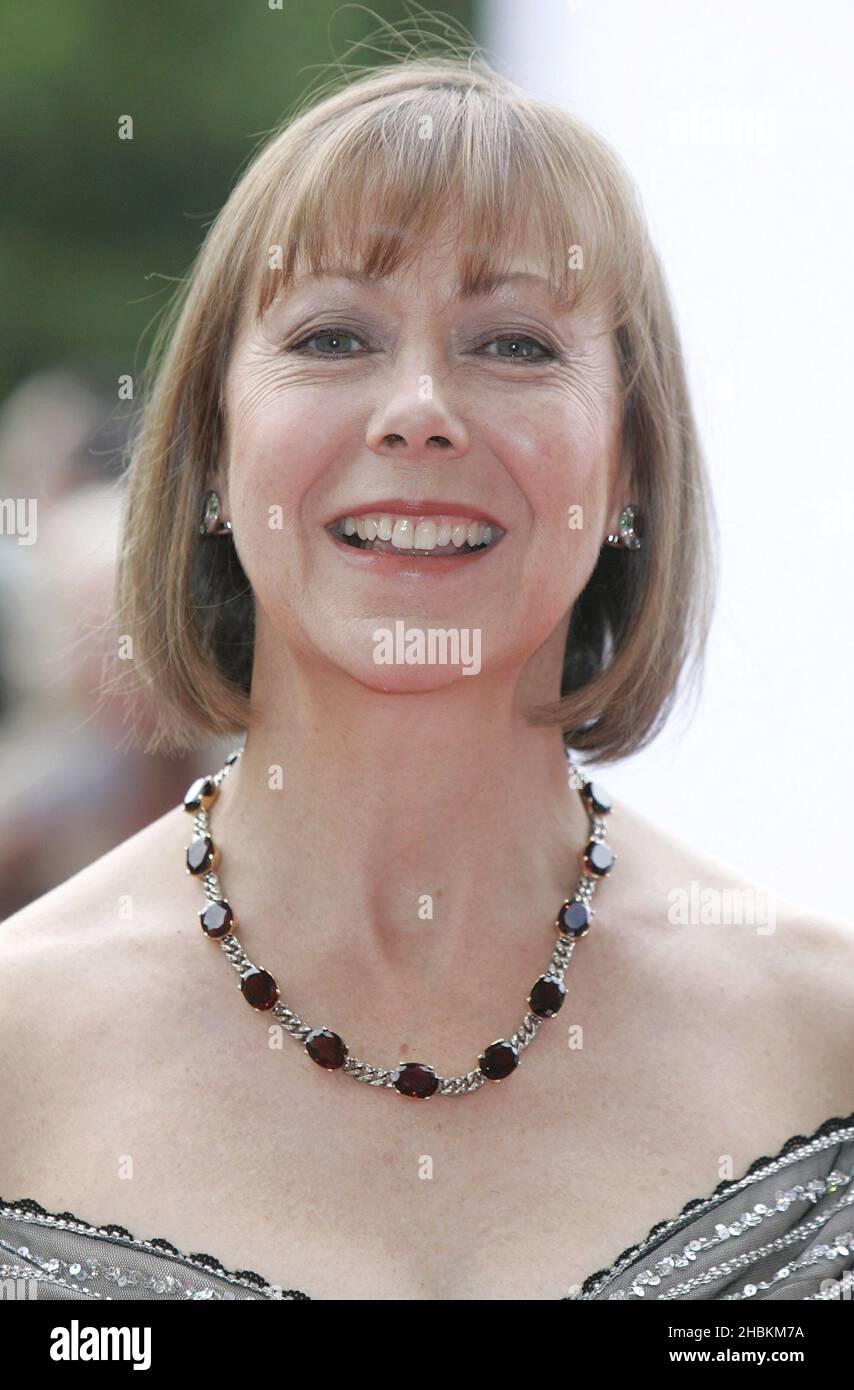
pixel 488 283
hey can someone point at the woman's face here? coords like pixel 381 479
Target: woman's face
pixel 349 394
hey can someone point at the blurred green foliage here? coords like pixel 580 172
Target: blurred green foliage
pixel 96 229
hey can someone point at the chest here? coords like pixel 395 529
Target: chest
pixel 177 1122
pixel 345 1191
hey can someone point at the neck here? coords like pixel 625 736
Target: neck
pixel 390 842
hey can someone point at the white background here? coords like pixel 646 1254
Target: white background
pixel 736 122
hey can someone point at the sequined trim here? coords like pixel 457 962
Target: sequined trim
pixel 27 1272
pixel 840 1247
pixel 26 1209
pixel 836 1129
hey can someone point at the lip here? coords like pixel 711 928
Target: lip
pixel 407 564
pixel 398 506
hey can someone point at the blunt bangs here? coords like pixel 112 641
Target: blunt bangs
pixel 497 176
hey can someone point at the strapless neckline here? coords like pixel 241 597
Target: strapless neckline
pixel 30 1209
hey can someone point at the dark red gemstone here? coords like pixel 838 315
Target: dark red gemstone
pixel 415 1079
pixel 200 855
pixel 596 798
pixel 326 1048
pixel 598 859
pixel 574 918
pixel 547 996
pixel 259 988
pixel 217 918
pixel 498 1060
pixel 200 793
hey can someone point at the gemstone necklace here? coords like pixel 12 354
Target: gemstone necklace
pixel 327 1049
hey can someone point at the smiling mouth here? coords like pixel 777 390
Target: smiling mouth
pixel 410 536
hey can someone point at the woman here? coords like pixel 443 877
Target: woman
pixel 424 380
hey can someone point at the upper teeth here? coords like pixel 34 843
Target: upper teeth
pixel 407 533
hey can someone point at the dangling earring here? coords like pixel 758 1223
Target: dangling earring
pixel 627 539
pixel 210 524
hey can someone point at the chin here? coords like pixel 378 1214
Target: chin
pixel 404 680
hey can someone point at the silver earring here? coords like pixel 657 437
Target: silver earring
pixel 628 538
pixel 210 524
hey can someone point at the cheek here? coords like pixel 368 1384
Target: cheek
pixel 564 477
pixel 276 452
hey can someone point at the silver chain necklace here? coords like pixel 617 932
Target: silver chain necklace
pixel 327 1049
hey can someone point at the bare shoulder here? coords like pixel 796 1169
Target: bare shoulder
pixel 678 883
pixel 762 983
pixel 92 1028
pixel 72 916
pixel 61 954
pixel 77 973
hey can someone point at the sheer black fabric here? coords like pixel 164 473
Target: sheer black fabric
pixel 785 1230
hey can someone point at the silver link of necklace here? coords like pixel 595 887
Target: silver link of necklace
pixel 380 1076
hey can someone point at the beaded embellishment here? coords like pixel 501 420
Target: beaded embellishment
pixel 836 1130
pixel 75 1274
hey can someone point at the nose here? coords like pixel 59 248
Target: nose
pixel 416 423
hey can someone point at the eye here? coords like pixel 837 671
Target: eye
pixel 520 349
pixel 336 336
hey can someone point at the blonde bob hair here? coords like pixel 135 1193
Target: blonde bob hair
pixel 393 151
